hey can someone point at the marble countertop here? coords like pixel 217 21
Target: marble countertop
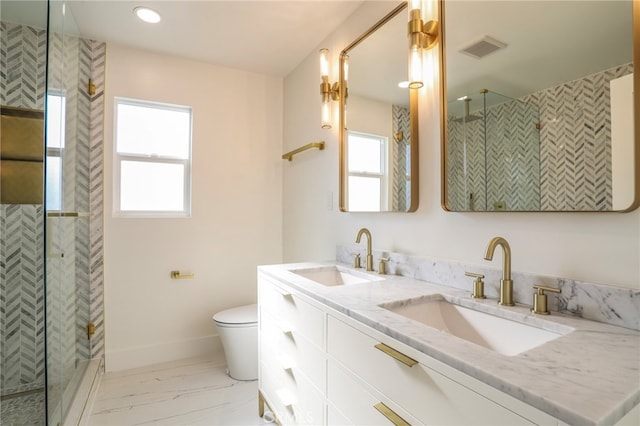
pixel 590 376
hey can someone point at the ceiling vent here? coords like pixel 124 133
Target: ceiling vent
pixel 483 47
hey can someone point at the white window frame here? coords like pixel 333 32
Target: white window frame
pixel 56 152
pixel 154 158
pixel 383 176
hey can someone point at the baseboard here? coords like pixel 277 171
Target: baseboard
pixel 155 354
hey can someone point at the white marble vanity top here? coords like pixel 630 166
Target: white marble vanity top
pixel 590 376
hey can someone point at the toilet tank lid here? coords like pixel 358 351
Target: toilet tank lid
pixel 240 315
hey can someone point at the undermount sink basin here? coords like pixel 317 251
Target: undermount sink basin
pixel 501 335
pixel 333 275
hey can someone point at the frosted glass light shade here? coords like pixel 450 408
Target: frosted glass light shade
pixel 415 67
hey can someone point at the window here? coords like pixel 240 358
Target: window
pixel 152 159
pixel 367 168
pixel 55 125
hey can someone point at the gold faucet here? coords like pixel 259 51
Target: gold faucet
pixel 366 232
pixel 506 284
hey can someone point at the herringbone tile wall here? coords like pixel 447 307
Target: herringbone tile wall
pixel 74 281
pixel 513 156
pixel 23 70
pixel 400 189
pixel 575 142
pixel 22 298
pixel 23 51
pixel 496 159
pixel 466 172
pixel 96 146
pixel 563 165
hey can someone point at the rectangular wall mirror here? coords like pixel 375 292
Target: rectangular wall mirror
pixel 378 120
pixel 537 105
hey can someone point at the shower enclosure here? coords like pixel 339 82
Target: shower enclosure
pixel 51 268
pixel 494 153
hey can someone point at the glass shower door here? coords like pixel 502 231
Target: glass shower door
pixel 494 153
pixel 67 207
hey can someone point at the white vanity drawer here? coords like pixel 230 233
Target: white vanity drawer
pixel 293 399
pixel 289 349
pixel 428 395
pixel 349 399
pixel 293 313
pixel 335 417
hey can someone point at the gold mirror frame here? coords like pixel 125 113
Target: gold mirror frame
pixel 444 124
pixel 413 122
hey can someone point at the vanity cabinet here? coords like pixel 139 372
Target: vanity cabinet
pixel 318 366
pixel 416 387
pixel 292 373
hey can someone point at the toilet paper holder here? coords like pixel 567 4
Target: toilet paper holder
pixel 177 275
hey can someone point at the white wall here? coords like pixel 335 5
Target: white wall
pixel 236 221
pixel 597 247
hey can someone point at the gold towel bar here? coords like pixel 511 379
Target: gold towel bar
pixel 289 155
pixel 177 275
pixel 68 214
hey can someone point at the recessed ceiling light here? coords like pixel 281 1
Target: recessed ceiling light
pixel 403 84
pixel 147 15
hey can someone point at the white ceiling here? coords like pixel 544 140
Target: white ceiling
pixel 270 37
pixel 264 36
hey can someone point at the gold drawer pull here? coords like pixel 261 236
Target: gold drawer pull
pixel 282 292
pixel 391 415
pixel 397 355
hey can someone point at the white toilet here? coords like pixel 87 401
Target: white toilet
pixel 238 328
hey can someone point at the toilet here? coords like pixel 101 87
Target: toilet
pixel 238 329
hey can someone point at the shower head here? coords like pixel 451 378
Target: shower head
pixel 467 118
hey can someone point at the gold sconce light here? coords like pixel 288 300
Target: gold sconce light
pixel 422 36
pixel 329 92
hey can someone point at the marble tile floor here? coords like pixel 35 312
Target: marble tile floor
pixel 182 393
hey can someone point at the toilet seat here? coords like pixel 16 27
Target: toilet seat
pixel 238 332
pixel 242 316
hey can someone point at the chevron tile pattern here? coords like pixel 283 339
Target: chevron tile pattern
pixel 23 50
pixel 564 165
pixel 96 144
pixel 575 135
pixel 513 156
pixel 401 193
pixel 74 245
pixel 496 159
pixel 22 258
pixel 23 70
pixel 467 173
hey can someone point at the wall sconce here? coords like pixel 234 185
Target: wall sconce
pixel 422 36
pixel 329 92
